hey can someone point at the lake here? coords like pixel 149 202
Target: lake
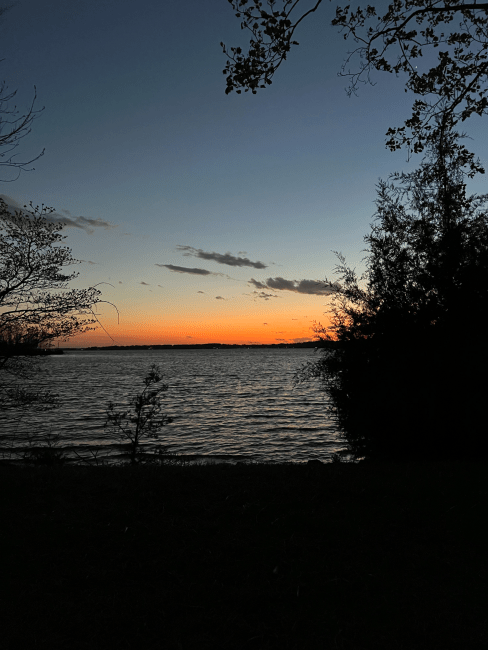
pixel 227 404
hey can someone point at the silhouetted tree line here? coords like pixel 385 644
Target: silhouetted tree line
pixel 408 377
pixel 223 346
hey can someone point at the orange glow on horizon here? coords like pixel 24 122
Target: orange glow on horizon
pixel 193 332
pixel 242 337
pixel 180 320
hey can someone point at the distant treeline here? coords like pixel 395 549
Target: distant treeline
pixel 224 346
pixel 25 350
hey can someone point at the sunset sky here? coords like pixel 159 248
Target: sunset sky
pixel 212 218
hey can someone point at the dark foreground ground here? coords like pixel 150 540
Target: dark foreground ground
pixel 388 556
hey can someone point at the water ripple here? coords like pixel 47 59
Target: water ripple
pixel 224 403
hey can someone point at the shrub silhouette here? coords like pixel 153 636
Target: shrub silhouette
pixel 46 452
pixel 144 418
pixel 406 378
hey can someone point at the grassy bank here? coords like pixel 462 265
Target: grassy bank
pixel 376 556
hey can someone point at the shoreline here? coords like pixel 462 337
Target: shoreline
pixel 341 555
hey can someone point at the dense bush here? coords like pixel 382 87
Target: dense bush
pixel 407 379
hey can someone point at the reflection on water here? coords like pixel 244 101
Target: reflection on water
pixel 227 404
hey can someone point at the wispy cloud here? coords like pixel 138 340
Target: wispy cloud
pixel 200 291
pixel 310 287
pixel 220 298
pixel 145 284
pixel 226 258
pixel 263 295
pixel 88 224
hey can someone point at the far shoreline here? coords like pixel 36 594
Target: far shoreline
pixel 210 346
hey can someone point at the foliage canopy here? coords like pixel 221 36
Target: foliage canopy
pixel 394 41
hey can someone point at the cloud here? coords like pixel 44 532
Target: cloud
pixel 265 323
pixel 226 258
pixel 185 269
pixel 145 284
pixel 309 287
pixel 219 298
pixel 200 291
pixel 258 285
pixel 87 224
pixel 120 282
pixel 264 295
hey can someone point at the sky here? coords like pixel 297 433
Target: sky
pixel 203 217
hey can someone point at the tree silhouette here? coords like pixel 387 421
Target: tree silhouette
pixel 394 42
pixel 36 304
pixel 143 419
pixel 406 377
pixel 33 284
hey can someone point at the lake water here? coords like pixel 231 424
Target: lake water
pixel 226 405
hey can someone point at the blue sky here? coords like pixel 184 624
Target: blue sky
pixel 142 142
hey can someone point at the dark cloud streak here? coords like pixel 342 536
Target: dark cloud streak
pixel 185 269
pixel 309 287
pixel 227 258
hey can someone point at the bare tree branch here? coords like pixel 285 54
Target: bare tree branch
pixel 14 126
